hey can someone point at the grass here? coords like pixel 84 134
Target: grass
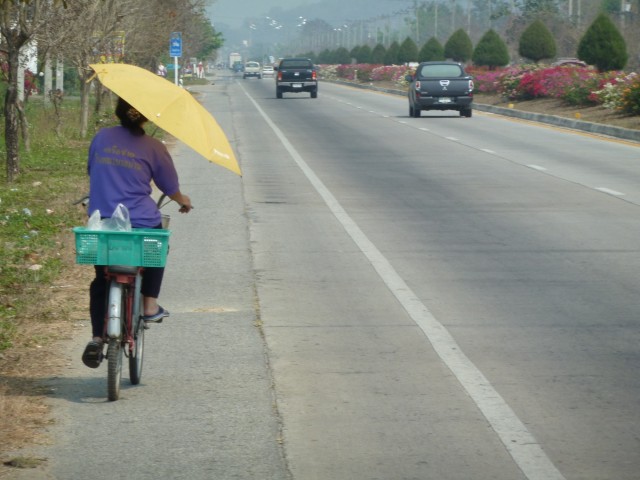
pixel 36 209
pixel 37 265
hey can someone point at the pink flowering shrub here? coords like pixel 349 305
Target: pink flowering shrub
pixel 370 73
pixel 485 80
pixel 574 85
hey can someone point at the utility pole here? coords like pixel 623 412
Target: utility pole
pixel 453 16
pixel 415 10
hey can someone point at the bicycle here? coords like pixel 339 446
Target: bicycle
pixel 124 256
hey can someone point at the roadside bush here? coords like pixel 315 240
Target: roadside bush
pixel 391 56
pixel 622 93
pixel 484 80
pixel 630 101
pixel 378 53
pixel 431 51
pixel 537 42
pixel 361 71
pixel 603 45
pixel 491 51
pixel 459 46
pixel 394 73
pixel 408 51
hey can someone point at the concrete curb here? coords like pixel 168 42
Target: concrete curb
pixel 595 128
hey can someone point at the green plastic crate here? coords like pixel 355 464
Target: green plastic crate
pixel 141 247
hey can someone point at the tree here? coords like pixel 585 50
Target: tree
pixel 537 43
pixel 603 46
pixel 431 51
pixel 533 8
pixel 325 56
pixel 355 53
pixel 391 57
pixel 341 56
pixel 20 20
pixel 459 46
pixel 364 54
pixel 95 27
pixel 491 51
pixel 378 54
pixel 408 51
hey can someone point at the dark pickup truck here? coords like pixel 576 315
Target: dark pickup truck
pixel 440 86
pixel 296 75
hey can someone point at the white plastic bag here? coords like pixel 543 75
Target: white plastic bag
pixel 119 221
pixel 95 222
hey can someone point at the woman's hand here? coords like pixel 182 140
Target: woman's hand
pixel 184 201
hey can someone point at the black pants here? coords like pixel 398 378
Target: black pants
pixel 151 283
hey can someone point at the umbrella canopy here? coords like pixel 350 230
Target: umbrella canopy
pixel 171 108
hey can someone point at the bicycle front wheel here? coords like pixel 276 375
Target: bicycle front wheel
pixel 136 353
pixel 114 359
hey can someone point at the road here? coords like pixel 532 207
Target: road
pixel 381 297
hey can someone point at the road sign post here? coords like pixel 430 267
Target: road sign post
pixel 175 51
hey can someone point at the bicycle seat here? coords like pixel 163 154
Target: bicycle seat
pixel 125 269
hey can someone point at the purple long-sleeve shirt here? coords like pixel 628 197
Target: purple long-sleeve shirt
pixel 121 168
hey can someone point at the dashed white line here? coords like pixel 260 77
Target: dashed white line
pixel 609 191
pixel 537 167
pixel 486 150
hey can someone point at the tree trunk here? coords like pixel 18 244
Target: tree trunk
pixel 85 91
pixel 11 124
pixel 24 126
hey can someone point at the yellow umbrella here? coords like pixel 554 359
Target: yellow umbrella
pixel 171 108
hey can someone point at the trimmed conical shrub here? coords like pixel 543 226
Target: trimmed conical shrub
pixel 537 42
pixel 431 51
pixel 491 51
pixel 459 46
pixel 603 46
pixel 378 53
pixel 408 51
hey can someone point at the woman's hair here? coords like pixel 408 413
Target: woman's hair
pixel 130 118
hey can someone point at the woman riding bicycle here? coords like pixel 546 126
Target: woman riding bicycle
pixel 123 161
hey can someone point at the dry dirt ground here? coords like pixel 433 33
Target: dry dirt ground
pixel 61 308
pixel 54 313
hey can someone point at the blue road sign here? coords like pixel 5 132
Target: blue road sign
pixel 175 45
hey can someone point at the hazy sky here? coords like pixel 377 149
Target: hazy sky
pixel 232 12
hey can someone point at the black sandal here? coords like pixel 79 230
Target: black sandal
pixel 157 318
pixel 92 355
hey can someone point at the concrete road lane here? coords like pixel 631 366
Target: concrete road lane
pixel 516 285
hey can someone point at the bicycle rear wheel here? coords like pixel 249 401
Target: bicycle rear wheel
pixel 114 358
pixel 136 354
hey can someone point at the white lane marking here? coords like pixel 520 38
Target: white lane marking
pixel 424 129
pixel 537 167
pixel 402 122
pixel 610 192
pixel 453 139
pixel 519 442
pixel 486 150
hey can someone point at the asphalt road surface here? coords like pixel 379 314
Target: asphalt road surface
pixel 381 297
